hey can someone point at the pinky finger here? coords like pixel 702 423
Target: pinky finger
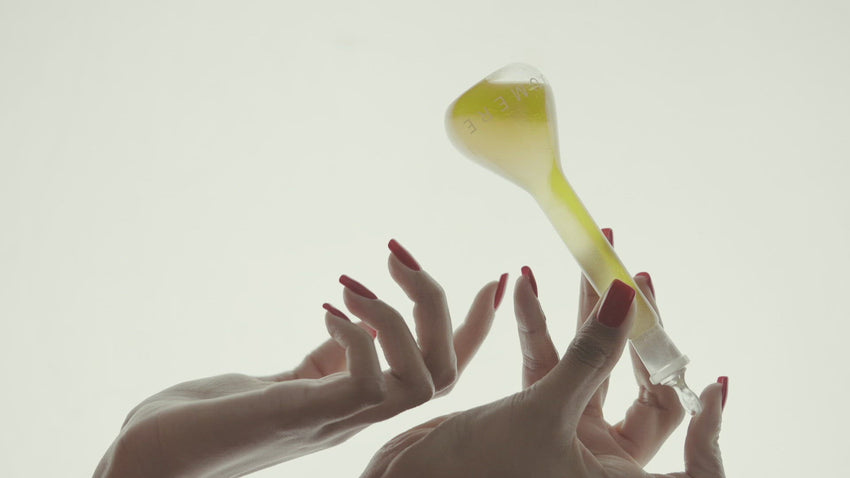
pixel 702 448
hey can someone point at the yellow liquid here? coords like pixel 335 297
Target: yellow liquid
pixel 505 127
pixel 509 127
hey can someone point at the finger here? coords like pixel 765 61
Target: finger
pixel 471 333
pixel 430 314
pixel 702 447
pixel 360 353
pixel 656 412
pixel 346 394
pixel 588 298
pixel 539 355
pixel 400 349
pixel 590 357
pixel 328 358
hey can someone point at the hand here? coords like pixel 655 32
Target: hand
pixel 231 425
pixel 555 427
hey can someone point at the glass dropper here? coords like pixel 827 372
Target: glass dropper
pixel 506 122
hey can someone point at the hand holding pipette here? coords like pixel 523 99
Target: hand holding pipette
pixel 554 427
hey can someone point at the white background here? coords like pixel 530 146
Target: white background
pixel 181 183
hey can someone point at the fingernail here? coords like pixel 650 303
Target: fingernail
pixel 616 306
pixel 333 310
pixel 645 275
pixel 404 256
pixel 500 290
pixel 356 287
pixel 526 271
pixel 609 234
pixel 725 381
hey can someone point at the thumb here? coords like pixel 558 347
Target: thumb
pixel 592 354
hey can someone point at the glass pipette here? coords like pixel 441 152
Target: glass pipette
pixel 506 122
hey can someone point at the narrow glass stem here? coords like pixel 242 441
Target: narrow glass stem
pixel 601 266
pixel 588 245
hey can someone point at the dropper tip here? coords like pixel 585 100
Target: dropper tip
pixel 689 400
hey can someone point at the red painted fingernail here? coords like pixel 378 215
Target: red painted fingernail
pixel 616 305
pixel 356 287
pixel 500 290
pixel 609 234
pixel 526 271
pixel 402 255
pixel 645 275
pixel 725 381
pixel 333 310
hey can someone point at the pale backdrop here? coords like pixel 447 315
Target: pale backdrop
pixel 181 183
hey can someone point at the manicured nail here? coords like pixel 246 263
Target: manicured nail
pixel 356 287
pixel 500 290
pixel 333 310
pixel 526 271
pixel 616 305
pixel 402 255
pixel 645 275
pixel 609 234
pixel 725 381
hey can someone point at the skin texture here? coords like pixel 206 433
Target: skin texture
pixel 232 425
pixel 554 427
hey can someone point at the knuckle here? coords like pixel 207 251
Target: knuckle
pixel 531 329
pixel 420 392
pixel 589 351
pixel 431 291
pixel 445 378
pixel 361 340
pixel 389 317
pixel 533 363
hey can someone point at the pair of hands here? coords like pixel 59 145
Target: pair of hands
pixel 234 424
